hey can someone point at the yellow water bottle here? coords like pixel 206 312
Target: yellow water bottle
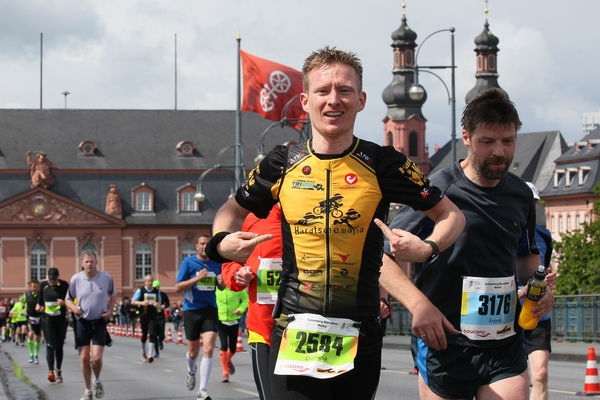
pixel 536 288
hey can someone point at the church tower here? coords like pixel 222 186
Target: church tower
pixel 486 48
pixel 404 124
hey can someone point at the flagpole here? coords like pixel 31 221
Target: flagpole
pixel 239 165
pixel 175 71
pixel 41 65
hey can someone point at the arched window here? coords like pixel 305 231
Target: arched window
pixel 143 261
pixel 409 58
pixel 390 139
pixel 188 249
pixel 492 62
pixel 38 262
pixel 90 246
pixel 560 223
pixel 413 144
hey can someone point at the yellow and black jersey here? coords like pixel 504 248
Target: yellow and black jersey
pixel 331 247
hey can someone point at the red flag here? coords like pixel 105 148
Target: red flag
pixel 269 86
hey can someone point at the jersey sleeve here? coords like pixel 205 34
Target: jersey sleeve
pixel 182 274
pixel 243 296
pixel 258 193
pixel 403 182
pixel 137 296
pixel 112 292
pixel 228 271
pixel 70 295
pixel 40 296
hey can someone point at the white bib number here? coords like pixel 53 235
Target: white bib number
pixel 488 308
pixel 269 279
pixel 316 346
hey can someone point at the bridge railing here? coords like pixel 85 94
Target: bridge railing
pixel 574 318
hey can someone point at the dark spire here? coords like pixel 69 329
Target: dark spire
pixel 486 48
pixel 395 95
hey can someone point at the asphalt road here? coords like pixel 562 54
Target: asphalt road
pixel 125 376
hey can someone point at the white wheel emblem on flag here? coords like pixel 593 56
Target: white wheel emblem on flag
pixel 280 83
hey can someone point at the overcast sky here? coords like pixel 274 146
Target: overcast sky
pixel 120 54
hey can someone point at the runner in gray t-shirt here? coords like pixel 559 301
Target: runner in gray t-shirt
pixel 96 295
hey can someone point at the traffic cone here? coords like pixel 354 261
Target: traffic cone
pixel 169 337
pixel 240 345
pixel 179 336
pixel 138 332
pixel 591 386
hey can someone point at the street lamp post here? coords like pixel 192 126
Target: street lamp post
pixel 416 91
pixel 304 133
pixel 65 93
pixel 200 196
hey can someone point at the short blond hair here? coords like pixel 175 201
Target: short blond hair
pixel 328 56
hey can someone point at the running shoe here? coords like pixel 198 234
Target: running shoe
pixel 109 341
pixel 202 395
pixel 190 381
pixel 59 378
pixel 30 359
pixel 87 396
pixel 36 360
pixel 22 344
pixel 150 359
pixel 51 376
pixel 160 345
pixel 144 357
pixel 98 389
pixel 225 379
pixel 231 368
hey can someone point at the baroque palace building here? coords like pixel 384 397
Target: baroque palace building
pixel 121 183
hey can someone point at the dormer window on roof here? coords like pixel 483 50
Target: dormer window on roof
pixel 571 174
pixel 583 174
pixel 143 198
pixel 186 148
pixel 87 148
pixel 558 174
pixel 592 142
pixel 185 198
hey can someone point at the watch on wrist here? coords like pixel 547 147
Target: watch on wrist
pixel 436 251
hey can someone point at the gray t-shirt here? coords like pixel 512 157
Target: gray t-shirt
pixel 92 295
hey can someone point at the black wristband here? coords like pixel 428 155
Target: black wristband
pixel 436 251
pixel 211 248
pixel 385 301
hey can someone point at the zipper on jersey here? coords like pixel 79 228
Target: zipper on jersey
pixel 327 298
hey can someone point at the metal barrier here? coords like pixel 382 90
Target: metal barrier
pixel 401 321
pixel 574 318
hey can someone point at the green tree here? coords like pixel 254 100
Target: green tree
pixel 578 255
